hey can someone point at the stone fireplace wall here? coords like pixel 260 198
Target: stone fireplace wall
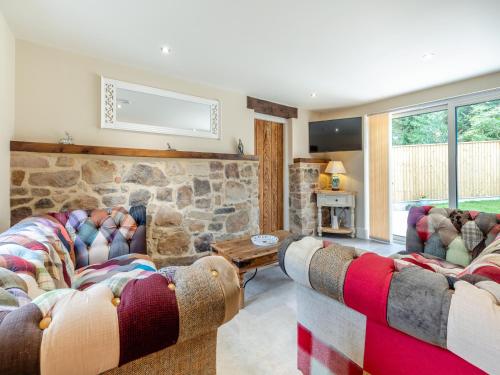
pixel 305 178
pixel 190 202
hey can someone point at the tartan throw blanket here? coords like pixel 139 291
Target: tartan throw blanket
pixel 436 301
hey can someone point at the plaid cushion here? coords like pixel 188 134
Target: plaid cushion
pixel 471 234
pixel 115 273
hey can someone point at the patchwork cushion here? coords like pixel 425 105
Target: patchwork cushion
pixel 328 268
pixel 434 246
pixel 474 326
pixel 103 234
pixel 471 234
pixel 418 304
pixel 451 234
pixel 115 273
pixel 457 253
pixel 366 285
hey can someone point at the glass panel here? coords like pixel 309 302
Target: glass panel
pixel 149 109
pixel 478 128
pixel 419 164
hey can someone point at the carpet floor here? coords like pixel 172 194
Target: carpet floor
pixel 262 338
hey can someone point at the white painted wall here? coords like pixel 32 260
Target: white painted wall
pixel 7 74
pixel 59 91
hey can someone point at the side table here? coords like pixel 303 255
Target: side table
pixel 337 199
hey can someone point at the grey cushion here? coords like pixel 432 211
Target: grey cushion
pixel 419 303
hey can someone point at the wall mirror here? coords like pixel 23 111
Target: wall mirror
pixel 128 106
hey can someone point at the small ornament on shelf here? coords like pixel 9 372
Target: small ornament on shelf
pixel 67 140
pixel 240 147
pixel 169 148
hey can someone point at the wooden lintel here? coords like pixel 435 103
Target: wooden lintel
pixel 122 151
pixel 270 108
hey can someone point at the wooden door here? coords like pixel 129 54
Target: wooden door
pixel 378 130
pixel 269 147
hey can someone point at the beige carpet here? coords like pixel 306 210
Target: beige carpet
pixel 262 338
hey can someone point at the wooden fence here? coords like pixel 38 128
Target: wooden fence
pixel 422 170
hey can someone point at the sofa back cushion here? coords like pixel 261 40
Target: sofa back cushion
pixel 102 234
pixel 451 234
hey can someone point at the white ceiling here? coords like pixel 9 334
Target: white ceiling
pixel 347 51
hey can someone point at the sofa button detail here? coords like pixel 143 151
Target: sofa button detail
pixel 45 322
pixel 215 273
pixel 115 301
pixel 171 286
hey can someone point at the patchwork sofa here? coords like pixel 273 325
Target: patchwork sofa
pixel 412 313
pixel 79 295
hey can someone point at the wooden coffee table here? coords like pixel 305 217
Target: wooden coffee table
pixel 245 256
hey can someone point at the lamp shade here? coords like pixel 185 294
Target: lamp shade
pixel 335 167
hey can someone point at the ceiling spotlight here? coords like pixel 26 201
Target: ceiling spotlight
pixel 428 56
pixel 119 106
pixel 166 50
pixel 313 95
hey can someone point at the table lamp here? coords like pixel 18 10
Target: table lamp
pixel 335 167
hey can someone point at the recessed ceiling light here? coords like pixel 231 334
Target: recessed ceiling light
pixel 313 95
pixel 428 56
pixel 166 50
pixel 119 106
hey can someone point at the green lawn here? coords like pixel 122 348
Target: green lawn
pixel 491 205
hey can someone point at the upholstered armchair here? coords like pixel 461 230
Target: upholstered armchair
pixel 79 295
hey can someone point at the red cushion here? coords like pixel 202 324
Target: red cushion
pixel 148 317
pixel 411 355
pixel 366 286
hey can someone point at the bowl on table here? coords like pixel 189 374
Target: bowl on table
pixel 264 240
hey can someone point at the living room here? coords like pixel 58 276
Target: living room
pixel 249 188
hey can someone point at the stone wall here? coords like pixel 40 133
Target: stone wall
pixel 190 202
pixel 304 179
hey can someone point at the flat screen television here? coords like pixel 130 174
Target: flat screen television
pixel 335 135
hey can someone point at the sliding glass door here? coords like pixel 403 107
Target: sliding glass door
pixel 478 156
pixel 446 155
pixel 419 158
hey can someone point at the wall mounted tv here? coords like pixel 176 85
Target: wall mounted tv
pixel 336 135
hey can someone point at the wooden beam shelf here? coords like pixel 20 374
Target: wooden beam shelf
pixel 269 108
pixel 122 151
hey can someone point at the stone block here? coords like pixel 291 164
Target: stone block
pixel 237 222
pixel 184 196
pixel 58 179
pixel 167 216
pixel 232 170
pixel 17 178
pixel 143 174
pixel 201 187
pixel 140 197
pixel 98 171
pixel 28 161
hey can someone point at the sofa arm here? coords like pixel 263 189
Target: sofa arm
pixel 317 265
pixel 207 295
pixel 91 331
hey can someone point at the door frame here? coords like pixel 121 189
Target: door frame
pixel 287 158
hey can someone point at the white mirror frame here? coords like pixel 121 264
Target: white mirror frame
pixel 108 110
